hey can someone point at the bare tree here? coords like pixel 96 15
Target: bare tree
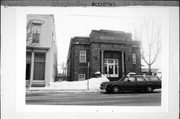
pixel 149 36
pixel 29 33
pixel 64 68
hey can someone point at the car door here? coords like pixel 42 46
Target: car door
pixel 140 83
pixel 129 83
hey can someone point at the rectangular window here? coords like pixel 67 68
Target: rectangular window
pixel 39 66
pixel 81 77
pixel 36 37
pixel 134 58
pixel 151 78
pixel 82 56
pixel 139 79
pixel 36 32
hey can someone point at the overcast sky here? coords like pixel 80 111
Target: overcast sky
pixel 70 22
pixel 80 21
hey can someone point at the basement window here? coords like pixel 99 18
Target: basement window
pixel 81 77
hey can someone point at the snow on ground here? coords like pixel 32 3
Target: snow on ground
pixel 93 84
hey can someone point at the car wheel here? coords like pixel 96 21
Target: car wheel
pixel 149 89
pixel 115 89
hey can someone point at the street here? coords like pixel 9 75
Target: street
pixel 95 98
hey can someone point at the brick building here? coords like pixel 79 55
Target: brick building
pixel 113 53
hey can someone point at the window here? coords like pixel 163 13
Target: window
pixel 36 32
pixel 134 58
pixel 152 78
pixel 81 77
pixel 129 79
pixel 139 79
pixel 126 79
pixel 39 66
pixel 82 56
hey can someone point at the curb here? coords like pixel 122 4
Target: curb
pixel 60 90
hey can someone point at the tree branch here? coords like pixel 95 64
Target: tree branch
pixel 150 41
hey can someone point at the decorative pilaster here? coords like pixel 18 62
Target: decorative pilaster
pixel 123 70
pixel 102 61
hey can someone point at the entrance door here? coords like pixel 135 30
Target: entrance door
pixel 111 67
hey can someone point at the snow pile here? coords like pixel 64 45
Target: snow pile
pixel 92 84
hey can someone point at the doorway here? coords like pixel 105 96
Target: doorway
pixel 111 67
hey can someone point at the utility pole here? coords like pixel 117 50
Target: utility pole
pixel 88 76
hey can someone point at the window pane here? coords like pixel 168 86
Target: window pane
pixel 36 38
pixel 39 66
pixel 39 57
pixel 111 69
pixel 131 78
pixel 134 58
pixel 36 29
pixel 140 79
pixel 82 59
pixel 115 61
pixel 110 61
pixel 152 78
pixel 126 79
pixel 82 52
pixel 81 77
pixel 82 56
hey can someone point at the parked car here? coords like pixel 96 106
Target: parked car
pixel 132 83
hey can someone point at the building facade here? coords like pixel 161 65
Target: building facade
pixel 41 50
pixel 113 53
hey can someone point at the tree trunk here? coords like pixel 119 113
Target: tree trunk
pixel 149 69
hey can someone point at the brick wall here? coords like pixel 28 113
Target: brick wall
pixel 79 67
pixel 93 48
pixel 95 59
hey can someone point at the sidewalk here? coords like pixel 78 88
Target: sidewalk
pixel 46 90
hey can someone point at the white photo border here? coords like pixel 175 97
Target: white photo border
pixel 169 85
